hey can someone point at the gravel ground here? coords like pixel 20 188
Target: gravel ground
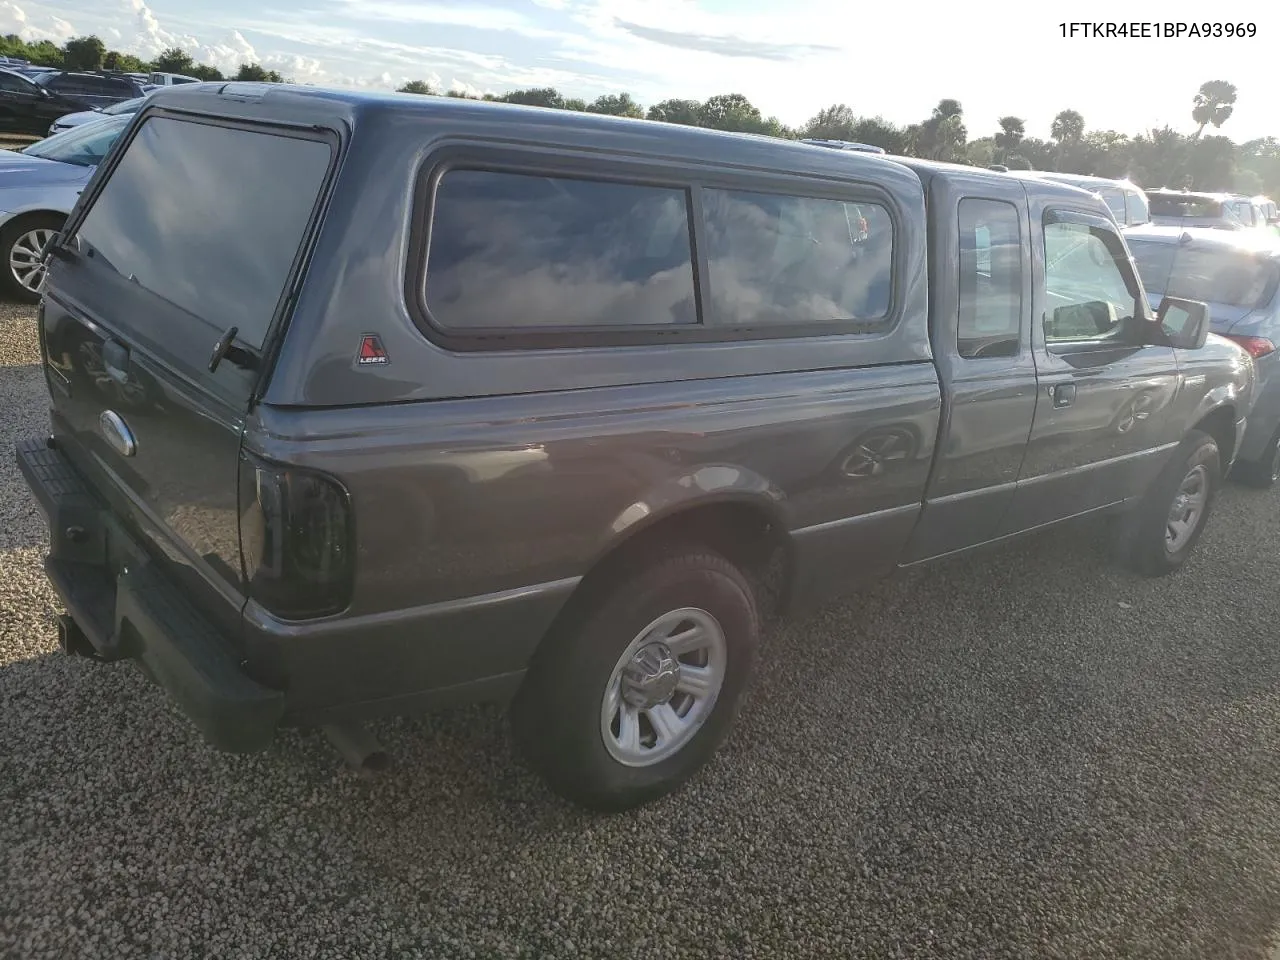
pixel 1025 754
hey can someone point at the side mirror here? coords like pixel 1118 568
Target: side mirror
pixel 1184 323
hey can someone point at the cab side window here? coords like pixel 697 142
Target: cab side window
pixel 990 279
pixel 1090 295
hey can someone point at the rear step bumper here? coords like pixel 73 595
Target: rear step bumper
pixel 128 609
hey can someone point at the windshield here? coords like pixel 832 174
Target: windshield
pixel 125 107
pixel 1234 278
pixel 84 146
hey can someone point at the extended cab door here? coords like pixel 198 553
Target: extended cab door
pixel 980 332
pixel 1103 419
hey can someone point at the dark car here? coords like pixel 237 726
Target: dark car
pixel 31 105
pixel 437 401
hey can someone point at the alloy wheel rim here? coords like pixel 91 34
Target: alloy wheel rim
pixel 26 258
pixel 663 687
pixel 1187 509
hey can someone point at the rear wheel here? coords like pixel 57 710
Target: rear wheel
pixel 634 693
pixel 22 244
pixel 1164 528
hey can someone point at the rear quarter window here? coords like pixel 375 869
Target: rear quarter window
pixel 523 251
pixel 208 218
pixel 776 259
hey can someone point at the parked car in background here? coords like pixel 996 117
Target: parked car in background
pixel 846 145
pixel 1184 208
pixel 34 72
pixel 31 105
pixel 556 452
pixel 170 79
pixel 124 108
pixel 1125 199
pixel 100 89
pixel 26 107
pixel 1271 212
pixel 38 187
pixel 1238 275
pixel 1248 211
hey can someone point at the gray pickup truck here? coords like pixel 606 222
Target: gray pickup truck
pixel 419 401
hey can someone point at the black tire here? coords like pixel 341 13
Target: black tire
pixel 1263 472
pixel 557 715
pixel 1143 537
pixel 9 236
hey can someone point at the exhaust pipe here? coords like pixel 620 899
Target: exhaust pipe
pixel 358 747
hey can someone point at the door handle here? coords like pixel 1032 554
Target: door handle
pixel 1064 394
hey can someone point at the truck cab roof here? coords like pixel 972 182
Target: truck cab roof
pixel 287 103
pixel 1035 185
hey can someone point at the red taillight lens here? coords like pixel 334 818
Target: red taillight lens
pixel 1257 346
pixel 297 540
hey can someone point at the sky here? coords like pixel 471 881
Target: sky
pixel 789 57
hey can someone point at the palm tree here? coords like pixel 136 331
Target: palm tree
pixel 948 108
pixel 1213 104
pixel 1012 130
pixel 1068 127
pixel 943 135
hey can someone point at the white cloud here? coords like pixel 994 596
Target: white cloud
pixel 472 16
pixel 461 86
pixel 15 19
pixel 790 57
pixel 302 69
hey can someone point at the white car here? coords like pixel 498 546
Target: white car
pixel 125 107
pixel 171 79
pixel 39 185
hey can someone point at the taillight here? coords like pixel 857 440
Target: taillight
pixel 297 538
pixel 1257 346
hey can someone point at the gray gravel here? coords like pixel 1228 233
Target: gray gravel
pixel 1026 754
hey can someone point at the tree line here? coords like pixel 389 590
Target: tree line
pixel 1161 156
pixel 90 53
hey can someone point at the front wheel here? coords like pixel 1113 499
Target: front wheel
pixel 635 692
pixel 1166 525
